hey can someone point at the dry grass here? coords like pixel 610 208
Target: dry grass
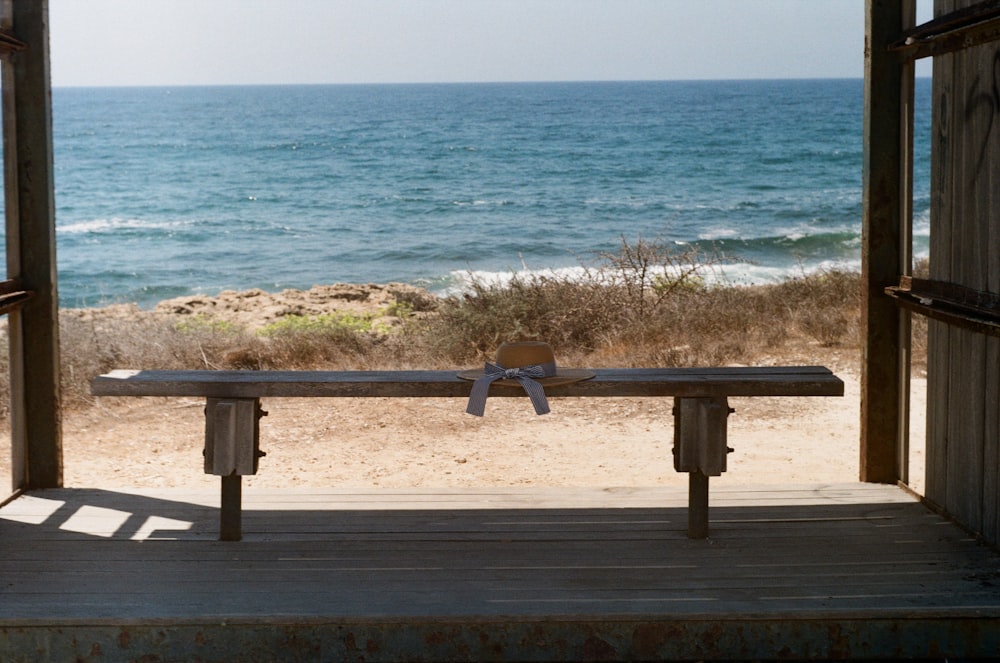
pixel 650 306
pixel 670 316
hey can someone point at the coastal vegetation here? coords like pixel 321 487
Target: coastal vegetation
pixel 649 304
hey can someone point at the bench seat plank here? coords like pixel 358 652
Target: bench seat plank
pixel 609 382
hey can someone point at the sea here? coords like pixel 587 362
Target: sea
pixel 171 191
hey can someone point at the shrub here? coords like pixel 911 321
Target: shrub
pixel 649 272
pixel 825 305
pixel 329 324
pixel 559 310
pixel 621 298
pixel 92 345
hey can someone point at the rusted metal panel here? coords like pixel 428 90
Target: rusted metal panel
pixel 700 439
pixel 811 638
pixel 232 436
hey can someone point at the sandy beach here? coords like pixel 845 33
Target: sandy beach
pixel 157 442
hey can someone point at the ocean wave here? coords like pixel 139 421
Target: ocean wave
pixel 719 233
pixel 461 281
pixel 98 226
pixel 922 223
pixel 736 273
pixel 790 243
pixel 482 203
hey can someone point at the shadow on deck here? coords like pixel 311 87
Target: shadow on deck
pixel 854 571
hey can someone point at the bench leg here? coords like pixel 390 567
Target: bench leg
pixel 697 505
pixel 232 449
pixel 231 513
pixel 700 449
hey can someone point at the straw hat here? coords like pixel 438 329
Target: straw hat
pixel 531 353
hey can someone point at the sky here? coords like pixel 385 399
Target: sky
pixel 239 42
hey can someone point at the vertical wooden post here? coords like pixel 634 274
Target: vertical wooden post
pixel 231 510
pixel 907 91
pixel 887 151
pixel 697 506
pixel 36 427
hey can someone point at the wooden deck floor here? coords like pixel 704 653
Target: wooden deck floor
pixel 837 572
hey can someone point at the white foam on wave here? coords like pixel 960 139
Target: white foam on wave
pixel 719 233
pixel 627 202
pixel 730 274
pixel 749 274
pixel 922 223
pixel 782 234
pixel 94 226
pixel 460 282
pixel 478 202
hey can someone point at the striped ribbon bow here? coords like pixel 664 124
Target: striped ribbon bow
pixel 525 375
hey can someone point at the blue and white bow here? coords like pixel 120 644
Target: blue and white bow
pixel 526 375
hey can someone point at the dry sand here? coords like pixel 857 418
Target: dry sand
pixel 344 443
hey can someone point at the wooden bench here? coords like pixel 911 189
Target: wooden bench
pixel 700 397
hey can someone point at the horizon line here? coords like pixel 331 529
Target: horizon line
pixel 489 82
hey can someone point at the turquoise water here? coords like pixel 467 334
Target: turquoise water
pixel 162 192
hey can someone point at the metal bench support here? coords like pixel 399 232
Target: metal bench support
pixel 700 449
pixel 232 449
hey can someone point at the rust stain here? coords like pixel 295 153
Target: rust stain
pixel 840 643
pixel 349 643
pixel 649 639
pixel 597 649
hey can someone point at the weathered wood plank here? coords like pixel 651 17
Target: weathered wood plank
pixel 36 431
pixel 966 460
pixel 886 161
pixel 972 309
pixel 951 31
pixel 39 505
pixel 991 396
pixel 963 374
pixel 763 381
pixel 944 160
pixel 972 265
pixel 991 442
pixel 967 256
pixel 892 560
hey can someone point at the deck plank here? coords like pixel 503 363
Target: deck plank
pixel 867 561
